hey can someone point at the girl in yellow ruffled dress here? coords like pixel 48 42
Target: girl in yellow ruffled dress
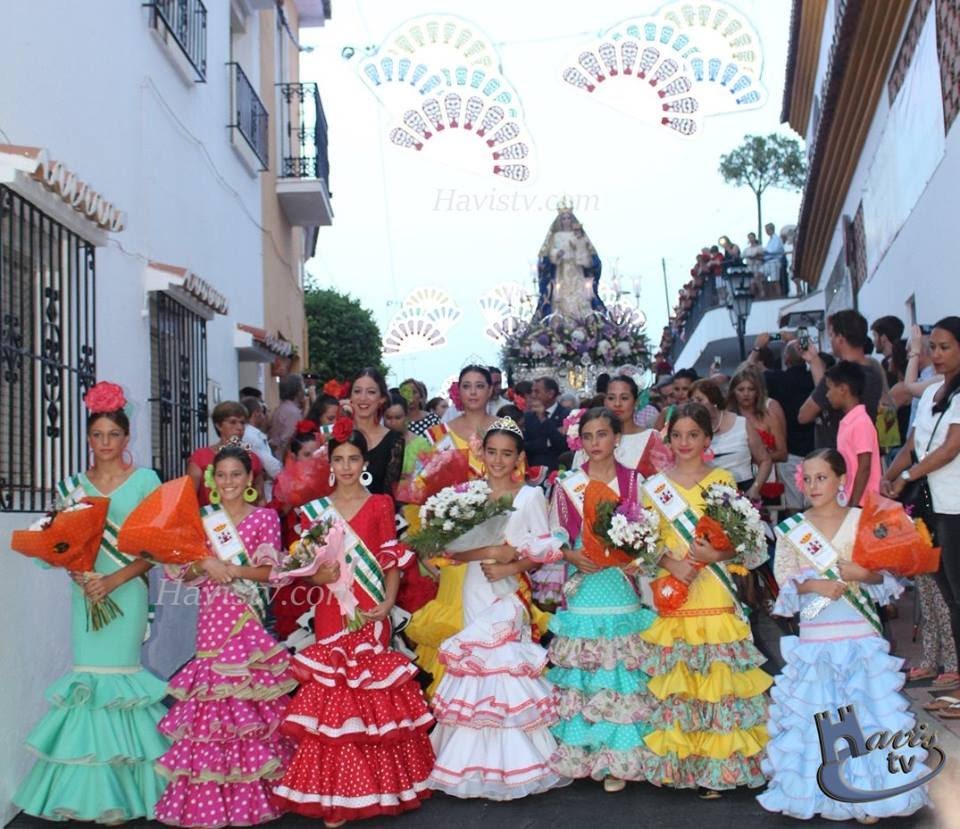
pixel 709 726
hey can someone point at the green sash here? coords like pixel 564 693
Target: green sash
pixel 228 546
pixel 70 491
pixel 819 553
pixel 367 572
pixel 674 508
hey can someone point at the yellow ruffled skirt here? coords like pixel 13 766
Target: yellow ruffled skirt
pixel 710 719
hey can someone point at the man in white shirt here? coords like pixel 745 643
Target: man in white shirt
pixel 497 400
pixel 254 437
pixel 773 257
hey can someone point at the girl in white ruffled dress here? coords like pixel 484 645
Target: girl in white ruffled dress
pixel 493 707
pixel 840 658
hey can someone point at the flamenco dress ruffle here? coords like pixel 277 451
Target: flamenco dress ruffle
pixel 97 745
pixel 361 726
pixel 837 660
pixel 708 724
pixel 494 709
pixel 230 701
pixel 96 748
pixel 598 653
pixel 548 583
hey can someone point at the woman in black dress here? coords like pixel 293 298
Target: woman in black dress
pixel 368 398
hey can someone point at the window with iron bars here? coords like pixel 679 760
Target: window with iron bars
pixel 178 382
pixel 47 352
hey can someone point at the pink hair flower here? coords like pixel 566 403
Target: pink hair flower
pixel 798 478
pixel 104 397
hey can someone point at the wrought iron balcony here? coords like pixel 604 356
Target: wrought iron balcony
pixel 186 22
pixel 250 117
pixel 303 183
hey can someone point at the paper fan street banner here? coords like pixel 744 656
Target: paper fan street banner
pixel 439 77
pixel 672 69
pixel 425 317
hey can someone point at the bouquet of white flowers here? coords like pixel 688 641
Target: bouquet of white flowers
pixel 459 518
pixel 740 522
pixel 630 528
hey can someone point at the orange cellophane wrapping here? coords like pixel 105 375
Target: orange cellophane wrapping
pixel 165 527
pixel 301 481
pixel 594 548
pixel 72 540
pixel 888 539
pixel 711 531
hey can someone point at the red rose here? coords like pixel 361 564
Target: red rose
pixel 342 429
pixel 336 389
pixel 104 397
pixel 305 427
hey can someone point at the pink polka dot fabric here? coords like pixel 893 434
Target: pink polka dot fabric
pixel 231 698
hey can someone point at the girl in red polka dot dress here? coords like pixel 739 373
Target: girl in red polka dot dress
pixel 359 717
pixel 231 697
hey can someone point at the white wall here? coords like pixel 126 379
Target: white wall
pixel 92 85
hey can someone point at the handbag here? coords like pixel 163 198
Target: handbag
pixel 916 494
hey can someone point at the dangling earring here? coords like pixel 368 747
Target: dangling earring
pixel 365 477
pixel 842 496
pixel 516 476
pixel 250 494
pixel 214 497
pixel 332 479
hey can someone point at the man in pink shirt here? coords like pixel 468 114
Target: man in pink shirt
pixel 857 437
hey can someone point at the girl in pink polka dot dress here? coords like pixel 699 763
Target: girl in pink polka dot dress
pixel 231 697
pixel 359 717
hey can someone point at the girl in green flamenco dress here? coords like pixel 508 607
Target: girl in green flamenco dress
pixel 97 745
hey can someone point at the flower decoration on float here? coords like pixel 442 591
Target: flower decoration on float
pixel 342 428
pixel 571 429
pixel 104 397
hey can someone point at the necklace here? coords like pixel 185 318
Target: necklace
pixel 716 424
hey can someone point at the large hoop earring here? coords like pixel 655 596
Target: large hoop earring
pixel 332 480
pixel 214 497
pixel 365 477
pixel 123 459
pixel 250 494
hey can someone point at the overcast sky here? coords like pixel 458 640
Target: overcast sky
pixel 406 220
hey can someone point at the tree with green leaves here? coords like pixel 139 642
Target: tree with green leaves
pixel 342 334
pixel 761 162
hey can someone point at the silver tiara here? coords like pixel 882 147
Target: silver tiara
pixel 505 424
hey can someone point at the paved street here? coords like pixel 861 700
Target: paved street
pixel 586 804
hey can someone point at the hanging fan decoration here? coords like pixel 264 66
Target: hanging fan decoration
pixel 411 331
pixel 700 59
pixel 427 299
pixel 440 79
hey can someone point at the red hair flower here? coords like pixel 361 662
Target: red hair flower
pixel 342 429
pixel 454 393
pixel 104 397
pixel 305 427
pixel 340 389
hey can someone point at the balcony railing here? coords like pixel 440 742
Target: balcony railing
pixel 186 22
pixel 250 116
pixel 304 135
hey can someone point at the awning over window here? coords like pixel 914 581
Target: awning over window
pixel 59 191
pixel 184 285
pixel 256 345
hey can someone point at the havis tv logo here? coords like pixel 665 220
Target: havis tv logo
pixel 830 776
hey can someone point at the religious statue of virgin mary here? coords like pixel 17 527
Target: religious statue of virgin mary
pixel 569 270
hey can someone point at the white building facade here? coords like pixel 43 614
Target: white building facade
pixel 874 90
pixel 133 146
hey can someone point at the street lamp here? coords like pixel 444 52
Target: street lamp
pixel 739 281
